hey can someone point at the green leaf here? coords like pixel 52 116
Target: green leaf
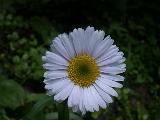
pixel 11 94
pixel 37 110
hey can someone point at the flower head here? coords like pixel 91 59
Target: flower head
pixel 82 68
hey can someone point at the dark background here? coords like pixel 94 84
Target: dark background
pixel 27 28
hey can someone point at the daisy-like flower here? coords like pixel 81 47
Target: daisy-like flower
pixel 82 68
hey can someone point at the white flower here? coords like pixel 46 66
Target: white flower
pixel 82 69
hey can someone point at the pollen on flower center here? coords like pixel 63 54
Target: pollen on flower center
pixel 83 70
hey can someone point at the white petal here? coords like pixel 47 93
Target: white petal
pixel 82 39
pixel 53 49
pixel 49 66
pixel 86 102
pixel 68 44
pixel 76 109
pixel 113 77
pixel 49 92
pixel 89 100
pixel 113 50
pixel 60 48
pixel 76 36
pixel 106 88
pixel 57 86
pixel 98 98
pixel 103 46
pixel 55 74
pixel 75 96
pixel 81 102
pixel 110 82
pixel 83 111
pixel 96 37
pixel 118 65
pixel 104 95
pixel 112 70
pixel 87 37
pixel 62 95
pixel 49 84
pixel 52 80
pixel 110 60
pixel 92 99
pixel 122 60
pixel 54 58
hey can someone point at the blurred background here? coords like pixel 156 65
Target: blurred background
pixel 27 28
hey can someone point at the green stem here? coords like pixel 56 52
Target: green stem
pixel 63 112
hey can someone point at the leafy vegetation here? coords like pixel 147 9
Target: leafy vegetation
pixel 27 28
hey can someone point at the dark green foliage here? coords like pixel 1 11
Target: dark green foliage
pixel 27 28
pixel 12 94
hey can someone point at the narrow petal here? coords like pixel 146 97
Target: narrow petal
pixel 110 82
pixel 92 100
pixel 54 58
pixel 112 70
pixel 52 80
pixel 112 51
pixel 76 109
pixel 122 60
pixel 56 74
pixel 96 37
pixel 106 88
pixel 112 77
pixel 67 43
pixel 81 102
pixel 76 36
pixel 48 84
pixel 60 48
pixel 75 96
pixel 96 105
pixel 103 46
pixel 86 100
pixel 89 100
pixel 98 98
pixel 49 66
pixel 104 95
pixel 57 86
pixel 82 39
pixel 53 49
pixel 62 95
pixel 87 37
pixel 110 60
pixel 118 65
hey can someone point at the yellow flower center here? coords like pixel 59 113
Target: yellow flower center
pixel 83 70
